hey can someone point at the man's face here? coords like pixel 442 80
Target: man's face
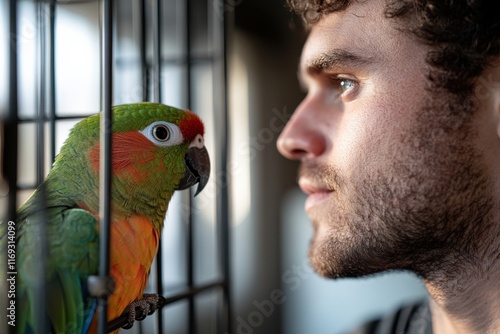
pixel 392 170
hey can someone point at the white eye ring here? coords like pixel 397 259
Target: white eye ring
pixel 162 133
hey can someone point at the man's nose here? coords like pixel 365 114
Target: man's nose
pixel 302 136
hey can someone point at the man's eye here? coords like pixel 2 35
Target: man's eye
pixel 344 85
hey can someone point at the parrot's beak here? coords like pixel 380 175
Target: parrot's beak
pixel 197 169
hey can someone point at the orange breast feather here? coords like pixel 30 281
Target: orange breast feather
pixel 134 243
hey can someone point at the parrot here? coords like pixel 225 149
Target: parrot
pixel 156 150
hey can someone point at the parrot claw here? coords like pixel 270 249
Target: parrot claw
pixel 141 308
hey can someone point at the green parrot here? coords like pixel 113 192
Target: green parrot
pixel 156 150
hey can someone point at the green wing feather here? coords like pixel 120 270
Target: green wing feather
pixel 72 237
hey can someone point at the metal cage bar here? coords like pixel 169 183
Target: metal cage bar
pixel 52 79
pixel 157 67
pixel 40 233
pixel 188 201
pixel 106 161
pixel 223 204
pixel 11 119
pixel 141 13
pixel 10 130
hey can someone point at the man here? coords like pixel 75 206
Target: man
pixel 399 143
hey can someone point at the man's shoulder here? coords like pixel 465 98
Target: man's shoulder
pixel 409 319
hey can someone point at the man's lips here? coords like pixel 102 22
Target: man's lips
pixel 317 193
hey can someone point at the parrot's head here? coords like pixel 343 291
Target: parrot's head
pixel 157 149
pixel 172 133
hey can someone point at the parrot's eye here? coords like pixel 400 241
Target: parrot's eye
pixel 163 133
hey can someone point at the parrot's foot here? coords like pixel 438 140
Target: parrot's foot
pixel 139 309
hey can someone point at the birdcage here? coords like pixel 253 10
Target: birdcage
pixel 63 60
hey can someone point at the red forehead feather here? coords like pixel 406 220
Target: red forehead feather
pixel 191 126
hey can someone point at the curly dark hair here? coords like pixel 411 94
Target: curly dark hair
pixel 463 35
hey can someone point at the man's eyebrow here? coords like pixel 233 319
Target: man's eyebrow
pixel 336 58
